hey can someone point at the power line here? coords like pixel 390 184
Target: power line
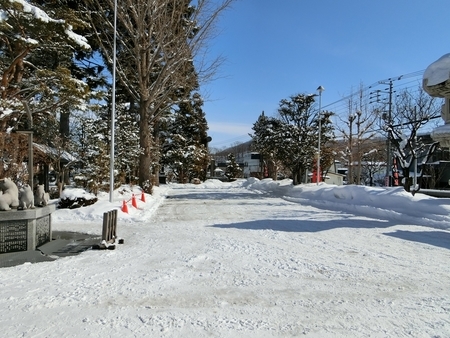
pixel 403 82
pixel 367 88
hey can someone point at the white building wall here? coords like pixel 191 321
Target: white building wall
pixel 251 163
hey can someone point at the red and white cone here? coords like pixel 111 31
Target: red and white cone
pixel 143 197
pixel 133 201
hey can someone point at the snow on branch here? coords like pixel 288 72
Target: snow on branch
pixel 42 16
pixel 38 13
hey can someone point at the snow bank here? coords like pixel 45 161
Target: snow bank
pixel 386 203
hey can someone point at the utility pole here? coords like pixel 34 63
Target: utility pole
pixel 388 120
pixel 388 141
pixel 358 146
pixel 320 89
pixel 351 118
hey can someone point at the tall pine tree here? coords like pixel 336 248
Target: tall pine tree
pixel 185 141
pixel 36 82
pixel 292 137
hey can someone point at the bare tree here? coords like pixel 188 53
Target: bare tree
pixel 357 133
pixel 412 112
pixel 161 49
pixel 373 163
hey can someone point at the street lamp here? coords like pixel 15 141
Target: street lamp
pixel 113 110
pixel 320 89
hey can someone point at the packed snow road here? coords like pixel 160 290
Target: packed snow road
pixel 244 264
pixel 225 261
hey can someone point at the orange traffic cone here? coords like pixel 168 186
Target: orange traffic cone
pixel 124 207
pixel 143 197
pixel 133 201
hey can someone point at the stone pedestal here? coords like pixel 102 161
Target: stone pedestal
pixel 22 230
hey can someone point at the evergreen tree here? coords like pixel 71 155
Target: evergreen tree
pixel 93 150
pixel 36 83
pixel 233 170
pixel 92 136
pixel 292 137
pixel 127 143
pixel 36 53
pixel 185 141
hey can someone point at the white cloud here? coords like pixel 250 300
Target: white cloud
pixel 230 128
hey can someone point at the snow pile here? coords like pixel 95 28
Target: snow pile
pixel 86 219
pixel 391 203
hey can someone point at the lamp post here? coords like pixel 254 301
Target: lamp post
pixel 351 118
pixel 320 89
pixel 113 110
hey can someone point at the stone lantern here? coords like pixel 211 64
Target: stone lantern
pixel 436 82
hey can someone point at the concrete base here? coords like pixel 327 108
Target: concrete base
pixel 25 230
pixel 63 244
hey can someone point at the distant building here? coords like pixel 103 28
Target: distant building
pixel 436 173
pixel 252 164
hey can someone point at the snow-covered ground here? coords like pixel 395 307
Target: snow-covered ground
pixel 244 259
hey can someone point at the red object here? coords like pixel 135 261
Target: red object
pixel 143 197
pixel 125 207
pixel 133 201
pixel 315 175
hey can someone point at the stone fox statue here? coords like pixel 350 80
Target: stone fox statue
pixel 26 197
pixel 10 194
pixel 40 196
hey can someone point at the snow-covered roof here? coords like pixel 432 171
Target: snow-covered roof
pixel 438 71
pixel 55 153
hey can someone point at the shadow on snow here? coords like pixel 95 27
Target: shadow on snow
pixel 435 238
pixel 208 195
pixel 305 226
pixel 315 224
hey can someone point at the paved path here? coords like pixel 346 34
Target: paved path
pixel 63 244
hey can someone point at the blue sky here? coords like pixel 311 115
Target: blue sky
pixel 275 49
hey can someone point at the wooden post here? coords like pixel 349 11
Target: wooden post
pixel 109 231
pixel 105 232
pixel 113 223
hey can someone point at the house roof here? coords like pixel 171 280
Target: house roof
pixel 55 153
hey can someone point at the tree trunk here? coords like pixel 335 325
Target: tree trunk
pixel 272 168
pixel 407 179
pixel 145 158
pixel 297 176
pixel 156 153
pixel 301 175
pixel 64 126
